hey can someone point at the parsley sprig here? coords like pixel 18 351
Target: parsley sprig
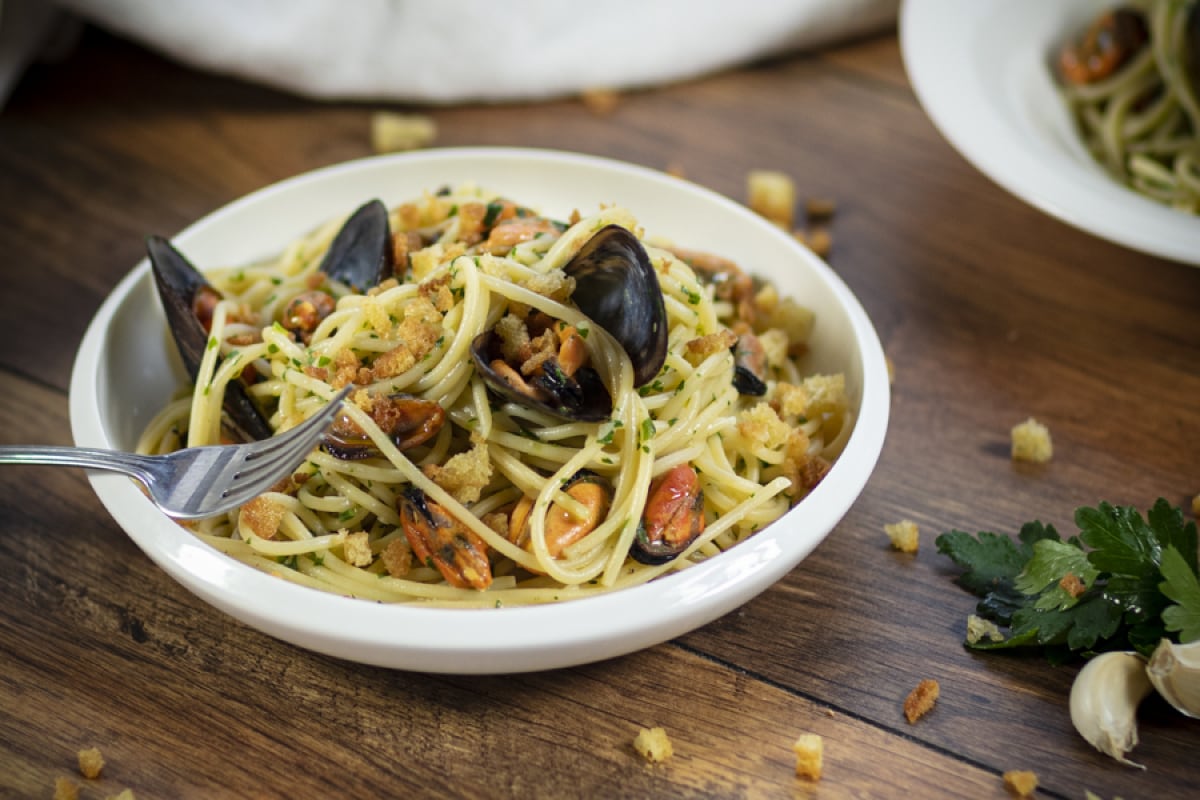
pixel 1124 582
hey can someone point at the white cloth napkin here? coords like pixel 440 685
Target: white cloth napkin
pixel 444 51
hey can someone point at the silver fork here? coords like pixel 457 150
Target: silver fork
pixel 197 482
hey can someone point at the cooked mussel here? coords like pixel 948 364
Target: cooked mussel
pixel 749 365
pixel 552 386
pixel 361 255
pixel 441 541
pixel 563 529
pixel 1107 44
pixel 673 518
pixel 617 287
pixel 408 421
pixel 188 300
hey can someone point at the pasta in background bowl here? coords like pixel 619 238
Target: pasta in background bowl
pixel 126 372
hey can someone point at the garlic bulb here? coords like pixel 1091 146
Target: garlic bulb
pixel 1104 701
pixel 1174 669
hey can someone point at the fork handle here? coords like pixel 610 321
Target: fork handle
pixel 85 457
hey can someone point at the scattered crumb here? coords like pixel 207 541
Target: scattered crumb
pixel 1031 442
pixel 820 241
pixel 91 763
pixel 653 745
pixel 65 789
pixel 126 794
pixel 904 535
pixel 921 699
pixel 773 195
pixel 356 549
pixel 600 100
pixel 819 208
pixel 1196 506
pixel 810 753
pixel 829 713
pixel 979 629
pixel 1020 782
pixel 1071 584
pixel 392 132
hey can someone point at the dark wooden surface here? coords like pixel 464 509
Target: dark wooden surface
pixel 990 310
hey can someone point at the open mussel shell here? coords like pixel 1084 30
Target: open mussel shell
pixel 617 287
pixel 581 397
pixel 187 299
pixel 361 255
pixel 407 420
pixel 672 519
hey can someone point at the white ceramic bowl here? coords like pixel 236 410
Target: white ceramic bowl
pixel 124 373
pixel 982 71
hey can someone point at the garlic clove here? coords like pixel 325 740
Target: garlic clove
pixel 1174 669
pixel 1104 701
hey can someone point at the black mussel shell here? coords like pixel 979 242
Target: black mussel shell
pixel 184 293
pixel 361 255
pixel 616 286
pixel 411 421
pixel 582 397
pixel 749 366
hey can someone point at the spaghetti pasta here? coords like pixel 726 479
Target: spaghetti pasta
pixel 486 501
pixel 1130 82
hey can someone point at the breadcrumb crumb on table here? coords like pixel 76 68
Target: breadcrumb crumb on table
pixel 393 133
pixel 91 763
pixel 600 100
pixel 979 629
pixel 65 789
pixel 921 699
pixel 1031 442
pixel 772 195
pixel 653 745
pixel 904 535
pixel 1021 783
pixel 810 754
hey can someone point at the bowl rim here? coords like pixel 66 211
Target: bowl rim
pixel 357 630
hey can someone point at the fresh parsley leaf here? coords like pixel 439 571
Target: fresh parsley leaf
pixel 1182 586
pixel 1125 581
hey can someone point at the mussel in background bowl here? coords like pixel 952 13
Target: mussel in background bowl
pixel 126 370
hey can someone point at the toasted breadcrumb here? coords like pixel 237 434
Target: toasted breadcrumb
pixel 392 132
pixel 263 516
pixel 810 752
pixel 979 629
pixel 464 475
pixel 91 763
pixel 600 100
pixel 653 745
pixel 1021 783
pixel 773 195
pixel 397 558
pixel 1072 585
pixel 819 240
pixel 356 548
pixel 1031 442
pixel 819 208
pixel 904 535
pixel 65 789
pixel 921 699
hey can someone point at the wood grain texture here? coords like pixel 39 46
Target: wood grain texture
pixel 991 312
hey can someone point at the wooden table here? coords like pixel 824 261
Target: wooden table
pixel 990 310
